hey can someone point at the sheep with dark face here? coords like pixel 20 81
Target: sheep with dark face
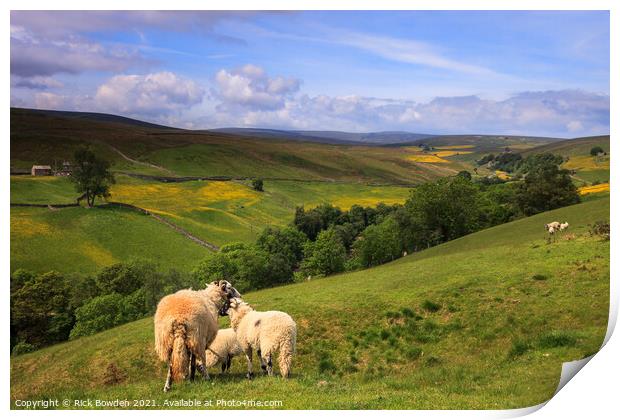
pixel 266 332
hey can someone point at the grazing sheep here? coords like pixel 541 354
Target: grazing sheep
pixel 551 231
pixel 554 225
pixel 267 332
pixel 563 226
pixel 185 324
pixel 223 348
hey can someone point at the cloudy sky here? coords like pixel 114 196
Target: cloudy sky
pixel 529 73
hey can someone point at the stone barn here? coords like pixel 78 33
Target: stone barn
pixel 41 170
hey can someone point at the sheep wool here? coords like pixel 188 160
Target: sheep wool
pixel 185 324
pixel 223 348
pixel 266 332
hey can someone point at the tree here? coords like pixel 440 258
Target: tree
pixel 465 174
pixel 287 243
pixel 596 150
pixel 98 314
pixel 546 188
pixel 378 244
pixel 444 210
pixel 324 256
pixel 40 310
pixel 257 184
pixel 91 176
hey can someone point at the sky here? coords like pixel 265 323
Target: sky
pixel 435 72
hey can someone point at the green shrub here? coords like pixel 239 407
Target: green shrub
pixel 22 348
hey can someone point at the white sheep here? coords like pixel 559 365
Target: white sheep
pixel 554 225
pixel 267 332
pixel 563 226
pixel 223 348
pixel 185 324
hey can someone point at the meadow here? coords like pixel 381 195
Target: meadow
pixel 219 212
pixel 81 240
pixel 481 322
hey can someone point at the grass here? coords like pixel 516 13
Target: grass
pixel 217 211
pixel 366 341
pixel 84 240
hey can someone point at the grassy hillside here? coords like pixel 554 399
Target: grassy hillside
pixel 588 169
pixel 481 322
pixel 219 212
pixel 84 240
pixel 37 137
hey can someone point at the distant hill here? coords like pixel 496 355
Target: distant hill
pixel 480 141
pixel 334 137
pixel 48 137
pixel 93 116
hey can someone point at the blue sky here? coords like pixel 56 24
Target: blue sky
pixel 529 73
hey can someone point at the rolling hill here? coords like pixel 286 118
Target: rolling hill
pixel 218 212
pixel 481 322
pixel 48 138
pixel 576 152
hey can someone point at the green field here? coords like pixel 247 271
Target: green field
pixel 84 240
pixel 219 212
pixel 504 310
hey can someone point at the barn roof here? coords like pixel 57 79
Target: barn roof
pixel 41 167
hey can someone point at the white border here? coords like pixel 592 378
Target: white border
pixel 594 391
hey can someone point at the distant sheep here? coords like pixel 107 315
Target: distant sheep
pixel 554 225
pixel 185 324
pixel 563 226
pixel 223 348
pixel 267 332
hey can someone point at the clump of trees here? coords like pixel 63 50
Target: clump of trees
pixel 52 307
pixel 596 150
pixel 514 163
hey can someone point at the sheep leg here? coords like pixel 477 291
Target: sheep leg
pixel 168 384
pixel 248 356
pixel 269 366
pixel 228 362
pixel 224 366
pixel 263 365
pixel 192 367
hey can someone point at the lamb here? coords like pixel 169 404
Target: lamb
pixel 267 332
pixel 563 226
pixel 551 231
pixel 185 324
pixel 223 349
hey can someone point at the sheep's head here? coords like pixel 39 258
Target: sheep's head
pixel 236 303
pixel 226 292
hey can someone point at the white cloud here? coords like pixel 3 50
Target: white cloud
pixel 566 113
pixel 48 100
pixel 151 94
pixel 251 88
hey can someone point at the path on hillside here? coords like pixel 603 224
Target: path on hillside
pixel 137 162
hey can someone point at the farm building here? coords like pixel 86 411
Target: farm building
pixel 41 170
